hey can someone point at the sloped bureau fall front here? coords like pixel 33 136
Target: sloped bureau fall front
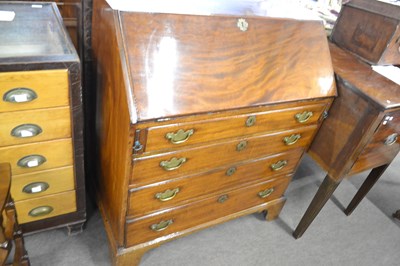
pixel 201 118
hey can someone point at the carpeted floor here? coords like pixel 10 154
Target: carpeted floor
pixel 370 236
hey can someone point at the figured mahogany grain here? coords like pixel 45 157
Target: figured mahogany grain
pixel 115 141
pixel 142 200
pixel 202 211
pixel 173 59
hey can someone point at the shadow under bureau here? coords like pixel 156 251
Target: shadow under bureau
pixel 201 118
pixel 41 120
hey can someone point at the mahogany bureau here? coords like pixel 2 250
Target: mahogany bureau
pixel 41 120
pixel 201 118
pixel 362 131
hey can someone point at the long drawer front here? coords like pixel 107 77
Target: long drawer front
pixel 164 195
pixel 151 169
pixel 186 216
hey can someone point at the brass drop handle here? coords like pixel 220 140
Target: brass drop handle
pixel 35 187
pixel 31 161
pixel 19 95
pixel 304 116
pixel 161 225
pixel 180 136
pixel 265 193
pixel 167 195
pixel 391 139
pixel 279 165
pixel 241 146
pixel 172 164
pixel 40 211
pixel 26 131
pixel 230 171
pixel 292 139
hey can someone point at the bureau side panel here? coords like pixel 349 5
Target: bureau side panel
pixel 345 132
pixel 113 122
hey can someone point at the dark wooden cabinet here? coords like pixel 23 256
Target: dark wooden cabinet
pixel 41 117
pixel 361 133
pixel 201 118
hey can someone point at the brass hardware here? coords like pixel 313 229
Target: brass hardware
pixel 251 120
pixel 35 187
pixel 325 114
pixel 304 116
pixel 279 165
pixel 391 139
pixel 4 245
pixel 40 211
pixel 26 131
pixel 292 139
pixel 167 195
pixel 31 161
pixel 241 146
pixel 19 95
pixel 138 146
pixel 172 164
pixel 180 136
pixel 242 24
pixel 161 225
pixel 265 193
pixel 231 171
pixel 223 198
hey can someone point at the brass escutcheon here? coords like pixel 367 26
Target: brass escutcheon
pixel 167 195
pixel 161 225
pixel 180 136
pixel 251 120
pixel 304 116
pixel 279 165
pixel 223 198
pixel 391 139
pixel 241 146
pixel 172 164
pixel 230 171
pixel 292 139
pixel 242 24
pixel 265 193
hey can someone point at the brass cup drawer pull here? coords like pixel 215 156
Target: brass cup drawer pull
pixel 391 139
pixel 230 171
pixel 40 211
pixel 292 139
pixel 265 193
pixel 31 161
pixel 180 136
pixel 26 131
pixel 241 146
pixel 251 121
pixel 279 165
pixel 304 116
pixel 223 198
pixel 161 225
pixel 35 187
pixel 19 95
pixel 167 195
pixel 172 164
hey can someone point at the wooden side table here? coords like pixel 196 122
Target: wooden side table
pixel 360 133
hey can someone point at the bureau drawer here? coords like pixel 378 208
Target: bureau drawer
pixel 34 125
pixel 33 89
pixel 186 216
pixel 164 195
pixel 45 207
pixel 42 183
pixel 200 159
pixel 39 156
pixel 183 134
pixel 383 147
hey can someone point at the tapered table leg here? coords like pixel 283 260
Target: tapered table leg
pixel 324 192
pixel 373 176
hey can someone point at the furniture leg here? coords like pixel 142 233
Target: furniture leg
pixel 273 212
pixel 396 214
pixel 324 192
pixel 373 176
pixel 75 229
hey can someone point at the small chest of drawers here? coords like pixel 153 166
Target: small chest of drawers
pixel 201 118
pixel 41 122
